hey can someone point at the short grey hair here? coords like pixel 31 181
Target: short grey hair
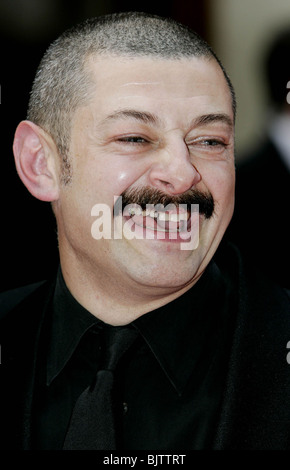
pixel 63 83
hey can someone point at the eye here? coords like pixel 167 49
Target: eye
pixel 131 144
pixel 209 143
pixel 212 143
pixel 133 139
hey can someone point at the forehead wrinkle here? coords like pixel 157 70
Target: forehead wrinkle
pixel 140 84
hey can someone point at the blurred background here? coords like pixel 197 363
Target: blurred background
pixel 241 33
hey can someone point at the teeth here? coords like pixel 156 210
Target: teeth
pixel 174 217
pixel 165 217
pixel 184 216
pixel 135 211
pixel 150 213
pixel 162 216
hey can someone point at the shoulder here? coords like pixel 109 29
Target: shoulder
pixel 252 284
pixel 23 311
pixel 261 326
pixel 10 299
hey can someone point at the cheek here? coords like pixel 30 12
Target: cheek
pixel 226 198
pixel 222 186
pixel 125 177
pixel 108 177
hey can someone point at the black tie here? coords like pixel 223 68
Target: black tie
pixel 92 425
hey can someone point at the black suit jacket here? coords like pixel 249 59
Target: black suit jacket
pixel 260 225
pixel 255 413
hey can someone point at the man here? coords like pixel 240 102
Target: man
pixel 130 129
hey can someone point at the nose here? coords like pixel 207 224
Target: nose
pixel 173 171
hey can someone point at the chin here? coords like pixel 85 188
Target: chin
pixel 169 276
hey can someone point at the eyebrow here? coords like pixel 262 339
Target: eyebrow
pixel 222 118
pixel 141 116
pixel 149 118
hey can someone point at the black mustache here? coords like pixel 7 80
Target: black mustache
pixel 149 196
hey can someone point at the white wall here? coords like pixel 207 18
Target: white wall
pixel 240 30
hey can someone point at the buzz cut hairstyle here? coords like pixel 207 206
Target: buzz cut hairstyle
pixel 63 82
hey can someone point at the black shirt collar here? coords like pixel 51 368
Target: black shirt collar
pixel 182 335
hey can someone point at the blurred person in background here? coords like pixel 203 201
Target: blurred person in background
pixel 260 225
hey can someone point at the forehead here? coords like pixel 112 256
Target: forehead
pixel 187 85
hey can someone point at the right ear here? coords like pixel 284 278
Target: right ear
pixel 37 161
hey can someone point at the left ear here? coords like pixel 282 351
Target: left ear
pixel 37 161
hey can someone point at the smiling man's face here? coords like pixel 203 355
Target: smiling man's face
pixel 154 127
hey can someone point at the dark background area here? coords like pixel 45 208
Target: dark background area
pixel 28 231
